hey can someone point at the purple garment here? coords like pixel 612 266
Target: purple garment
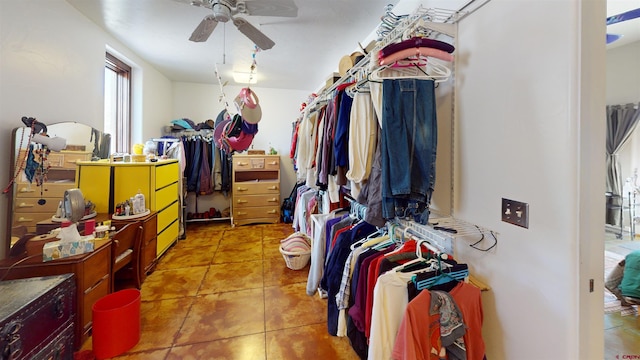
pixel 358 311
pixel 415 43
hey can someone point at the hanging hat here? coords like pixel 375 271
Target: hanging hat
pixel 240 142
pixel 218 133
pixel 248 128
pixel 249 105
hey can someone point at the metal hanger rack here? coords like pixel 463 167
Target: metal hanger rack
pixel 436 20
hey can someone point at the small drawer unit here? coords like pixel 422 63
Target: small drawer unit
pixel 256 189
pixel 37 317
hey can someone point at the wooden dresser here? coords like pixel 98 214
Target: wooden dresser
pixel 33 203
pixel 108 183
pixel 92 279
pixel 256 189
pixel 37 317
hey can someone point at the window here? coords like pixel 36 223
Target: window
pixel 117 100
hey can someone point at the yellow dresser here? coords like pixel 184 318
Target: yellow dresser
pixel 256 189
pixel 107 183
pixel 33 203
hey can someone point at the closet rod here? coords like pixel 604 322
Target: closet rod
pixel 421 13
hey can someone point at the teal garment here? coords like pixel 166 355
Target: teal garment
pixel 630 285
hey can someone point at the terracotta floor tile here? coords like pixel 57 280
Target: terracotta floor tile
pixel 232 277
pixel 246 235
pixel 160 321
pixel 145 355
pixel 276 273
pixel 208 238
pixel 308 342
pixel 289 306
pixel 223 315
pixel 174 283
pixel 271 247
pixel 249 347
pixel 229 252
pixel 279 231
pixel 193 256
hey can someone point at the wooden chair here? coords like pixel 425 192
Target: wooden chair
pixel 126 252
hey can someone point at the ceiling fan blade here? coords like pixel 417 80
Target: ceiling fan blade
pixel 204 29
pixel 281 8
pixel 612 37
pixel 255 35
pixel 628 15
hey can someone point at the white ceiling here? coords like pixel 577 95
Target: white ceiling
pixel 308 47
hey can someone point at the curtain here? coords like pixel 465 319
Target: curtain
pixel 621 121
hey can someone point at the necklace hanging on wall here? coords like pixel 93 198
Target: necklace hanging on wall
pixel 42 171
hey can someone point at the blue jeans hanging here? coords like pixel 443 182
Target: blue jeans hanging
pixel 409 141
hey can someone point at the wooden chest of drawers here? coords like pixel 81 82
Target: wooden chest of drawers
pixel 37 317
pixel 256 189
pixel 33 203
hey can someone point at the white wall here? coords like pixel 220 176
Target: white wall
pixel 280 108
pixel 521 129
pixel 52 68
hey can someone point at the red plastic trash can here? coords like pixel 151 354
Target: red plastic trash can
pixel 116 323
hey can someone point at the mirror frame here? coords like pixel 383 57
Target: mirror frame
pixel 13 176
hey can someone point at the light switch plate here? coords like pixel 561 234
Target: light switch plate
pixel 515 212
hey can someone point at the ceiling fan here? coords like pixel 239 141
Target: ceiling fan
pixel 225 10
pixel 614 19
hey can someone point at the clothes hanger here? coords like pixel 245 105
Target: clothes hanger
pixel 432 71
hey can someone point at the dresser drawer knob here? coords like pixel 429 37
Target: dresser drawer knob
pixel 273 187
pixel 272 200
pixel 24 219
pixel 242 189
pixel 25 190
pixel 272 211
pixel 240 201
pixel 242 213
pixel 242 163
pixel 25 205
pixel 273 163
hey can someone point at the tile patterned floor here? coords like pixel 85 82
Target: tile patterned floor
pixel 226 293
pixel 621 333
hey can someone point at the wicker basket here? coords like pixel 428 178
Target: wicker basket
pixel 296 260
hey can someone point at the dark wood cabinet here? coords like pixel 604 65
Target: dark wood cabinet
pixel 37 317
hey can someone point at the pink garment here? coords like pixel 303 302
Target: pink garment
pixel 412 52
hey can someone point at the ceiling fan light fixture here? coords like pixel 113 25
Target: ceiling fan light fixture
pixel 245 77
pixel 221 12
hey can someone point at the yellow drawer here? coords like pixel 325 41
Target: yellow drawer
pixel 165 196
pixel 167 216
pixel 128 180
pixel 253 163
pixel 94 182
pixel 256 212
pixel 28 205
pixel 47 190
pixel 167 237
pixel 256 187
pixel 166 174
pixel 255 200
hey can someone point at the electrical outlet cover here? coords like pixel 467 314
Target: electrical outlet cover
pixel 515 212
